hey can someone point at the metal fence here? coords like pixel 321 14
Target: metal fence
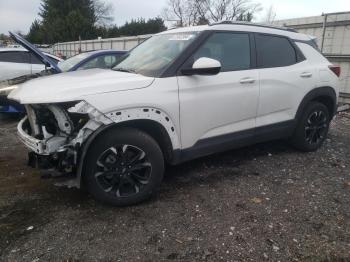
pixel 69 49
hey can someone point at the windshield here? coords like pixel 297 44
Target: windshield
pixel 155 55
pixel 66 65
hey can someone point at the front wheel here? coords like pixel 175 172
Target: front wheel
pixel 123 167
pixel 312 128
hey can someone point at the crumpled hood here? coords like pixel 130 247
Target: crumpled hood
pixel 76 85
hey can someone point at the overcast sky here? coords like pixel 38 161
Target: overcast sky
pixel 19 14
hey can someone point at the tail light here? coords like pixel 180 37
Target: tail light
pixel 335 69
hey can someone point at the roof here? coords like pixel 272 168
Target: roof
pixel 244 27
pixel 7 49
pixel 284 28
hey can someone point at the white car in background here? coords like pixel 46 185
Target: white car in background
pixel 18 65
pixel 16 62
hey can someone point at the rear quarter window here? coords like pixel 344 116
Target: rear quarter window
pixel 274 51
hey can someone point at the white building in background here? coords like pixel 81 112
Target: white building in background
pixel 333 38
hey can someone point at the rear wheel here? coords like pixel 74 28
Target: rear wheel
pixel 124 167
pixel 312 129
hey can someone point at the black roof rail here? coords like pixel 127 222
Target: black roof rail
pixel 254 24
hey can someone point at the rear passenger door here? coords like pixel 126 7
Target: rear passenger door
pixel 222 104
pixel 14 64
pixel 285 76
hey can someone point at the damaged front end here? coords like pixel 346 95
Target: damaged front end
pixel 55 134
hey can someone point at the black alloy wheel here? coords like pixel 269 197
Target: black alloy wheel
pixel 316 127
pixel 123 166
pixel 123 170
pixel 312 127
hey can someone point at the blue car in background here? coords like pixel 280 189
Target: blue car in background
pixel 104 59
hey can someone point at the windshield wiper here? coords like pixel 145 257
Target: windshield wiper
pixel 127 70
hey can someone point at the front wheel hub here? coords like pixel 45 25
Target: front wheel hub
pixel 123 170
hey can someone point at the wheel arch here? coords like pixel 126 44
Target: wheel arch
pixel 152 127
pixel 325 95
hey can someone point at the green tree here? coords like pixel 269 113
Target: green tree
pixel 66 20
pixel 141 27
pixel 35 34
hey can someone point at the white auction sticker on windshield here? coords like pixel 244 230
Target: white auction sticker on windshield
pixel 181 37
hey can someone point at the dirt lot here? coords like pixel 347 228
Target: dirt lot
pixel 267 202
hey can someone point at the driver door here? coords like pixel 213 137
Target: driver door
pixel 214 108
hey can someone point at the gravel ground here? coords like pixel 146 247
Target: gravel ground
pixel 263 203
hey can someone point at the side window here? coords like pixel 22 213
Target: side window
pixel 118 59
pixel 35 60
pixel 110 60
pixel 103 62
pixel 14 57
pixel 231 49
pixel 90 64
pixel 274 51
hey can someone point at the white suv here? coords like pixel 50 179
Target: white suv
pixel 181 94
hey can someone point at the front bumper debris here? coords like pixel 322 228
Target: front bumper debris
pixel 55 135
pixel 41 147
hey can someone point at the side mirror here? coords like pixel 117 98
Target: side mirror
pixel 204 66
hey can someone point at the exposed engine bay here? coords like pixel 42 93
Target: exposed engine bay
pixel 55 133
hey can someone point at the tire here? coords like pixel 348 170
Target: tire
pixel 123 167
pixel 312 128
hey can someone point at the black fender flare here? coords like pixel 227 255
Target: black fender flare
pixel 84 149
pixel 319 92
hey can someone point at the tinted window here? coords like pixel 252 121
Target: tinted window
pixel 104 62
pixel 14 57
pixel 35 60
pixel 274 51
pixel 231 49
pixel 68 64
pixel 91 63
pixel 110 60
pixel 117 60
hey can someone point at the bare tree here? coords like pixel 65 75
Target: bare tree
pixel 270 15
pixel 103 12
pixel 218 10
pixel 184 12
pixel 192 12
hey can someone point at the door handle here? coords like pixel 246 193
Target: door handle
pixel 247 80
pixel 306 74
